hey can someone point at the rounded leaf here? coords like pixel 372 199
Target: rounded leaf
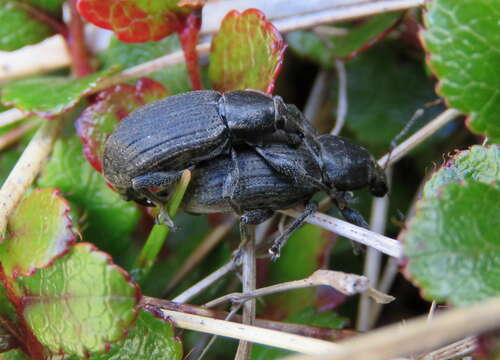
pixel 462 39
pixel 18 28
pixel 81 303
pixel 246 53
pixel 108 221
pixel 452 243
pixel 39 231
pixel 132 20
pixel 479 163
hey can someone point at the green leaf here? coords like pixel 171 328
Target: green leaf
pixel 174 78
pixel 479 163
pixel 362 37
pixel 247 53
pixel 52 7
pixel 357 39
pixel 308 45
pixel 18 28
pixel 452 243
pixel 80 303
pixel 305 316
pixel 13 355
pixel 49 96
pixel 401 88
pixel 135 21
pixel 108 220
pixel 303 253
pixel 47 234
pixel 148 338
pixel 462 38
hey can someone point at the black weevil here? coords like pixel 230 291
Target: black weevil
pixel 151 147
pixel 261 189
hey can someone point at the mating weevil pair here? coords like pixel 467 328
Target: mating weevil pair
pixel 251 153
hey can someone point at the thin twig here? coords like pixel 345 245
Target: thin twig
pixel 366 237
pixel 15 134
pixel 378 220
pixel 388 276
pixel 207 244
pixel 244 332
pixel 342 104
pixel 452 351
pixel 348 284
pixel 11 116
pixel 299 329
pixel 26 169
pixel 204 283
pixel 317 95
pixel 249 281
pixel 399 341
pixel 229 316
pixel 417 138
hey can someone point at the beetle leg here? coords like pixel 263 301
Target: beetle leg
pixel 350 214
pixel 161 180
pixel 280 241
pixel 253 217
pixel 290 168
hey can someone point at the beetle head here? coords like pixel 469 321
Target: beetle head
pixel 347 166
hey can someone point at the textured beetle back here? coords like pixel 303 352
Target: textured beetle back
pixel 169 134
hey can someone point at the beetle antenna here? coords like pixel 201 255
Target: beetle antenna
pixel 417 115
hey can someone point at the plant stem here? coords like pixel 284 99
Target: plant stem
pixel 80 63
pixel 366 237
pixel 417 138
pixel 204 283
pixel 249 282
pixel 244 332
pixel 317 95
pixel 159 233
pixel 299 329
pixel 348 284
pixel 342 104
pixel 399 341
pixel 15 134
pixel 207 244
pixel 188 36
pixel 373 257
pixel 26 169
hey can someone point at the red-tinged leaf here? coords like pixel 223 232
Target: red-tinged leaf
pixel 247 53
pixel 36 238
pixel 135 21
pixel 100 118
pixel 81 303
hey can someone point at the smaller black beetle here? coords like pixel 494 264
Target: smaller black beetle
pixel 261 189
pixel 153 145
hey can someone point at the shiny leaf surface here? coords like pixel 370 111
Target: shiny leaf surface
pixel 462 39
pixel 81 303
pixel 47 234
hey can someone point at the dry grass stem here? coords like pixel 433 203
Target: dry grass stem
pixel 26 169
pixel 249 333
pixel 366 237
pixel 15 134
pixel 348 284
pixel 342 104
pixel 417 138
pixel 249 281
pixel 208 243
pixel 400 340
